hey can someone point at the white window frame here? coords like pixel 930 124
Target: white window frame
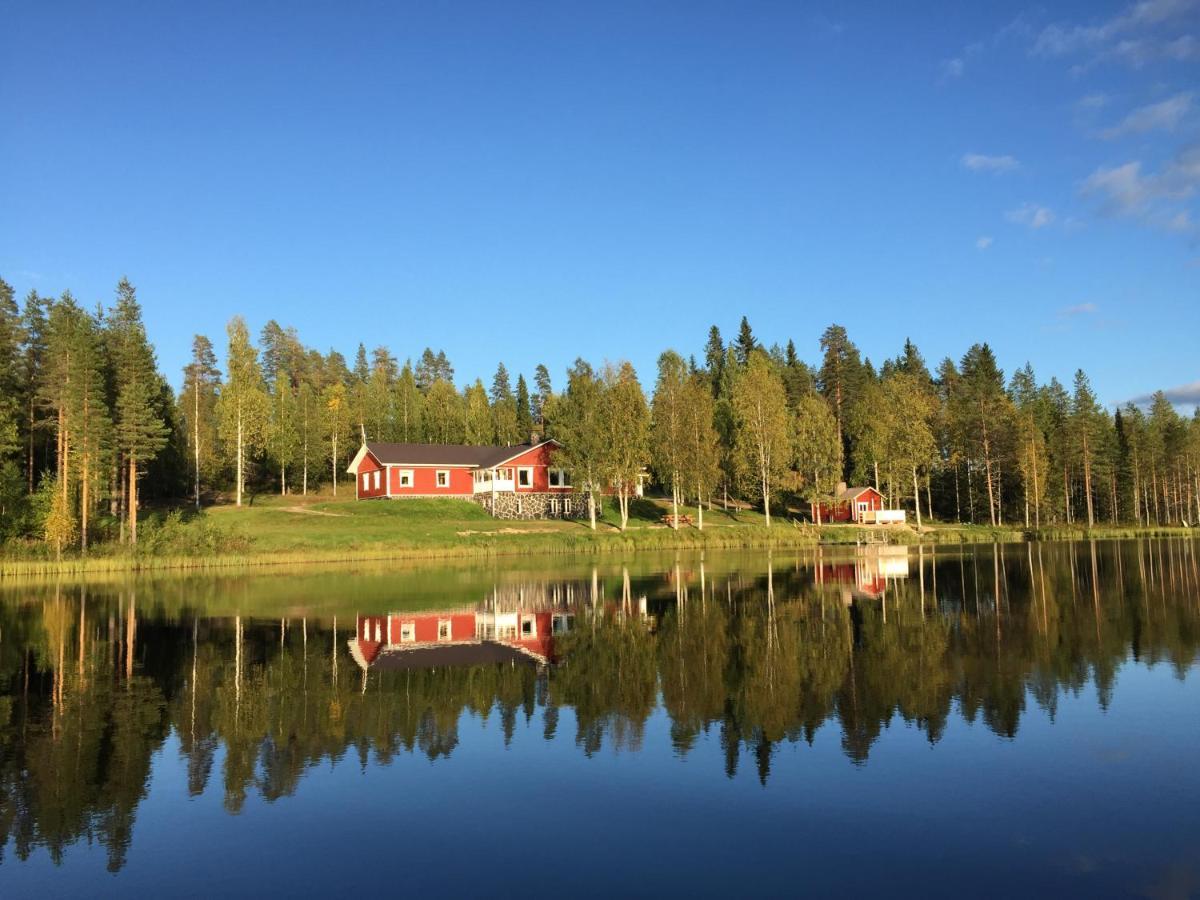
pixel 408 632
pixel 437 478
pixel 531 621
pixel 406 474
pixel 521 469
pixel 557 478
pixel 376 479
pixel 366 484
pixel 449 623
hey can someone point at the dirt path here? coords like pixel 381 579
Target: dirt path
pixel 304 510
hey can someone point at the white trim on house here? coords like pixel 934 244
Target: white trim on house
pixel 376 479
pixel 564 482
pixel 405 473
pixel 437 479
pixel 526 450
pixel 408 632
pixel 352 469
pixel 521 471
pixel 449 624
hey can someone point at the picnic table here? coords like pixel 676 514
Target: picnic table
pixel 683 519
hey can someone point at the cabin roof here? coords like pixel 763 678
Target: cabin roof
pixel 447 454
pixel 851 493
pixel 429 656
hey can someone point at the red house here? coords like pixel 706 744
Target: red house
pixel 517 482
pixel 849 504
pixel 455 470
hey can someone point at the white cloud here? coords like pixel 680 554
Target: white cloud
pixel 1128 190
pixel 980 162
pixel 1133 37
pixel 1092 101
pixel 1031 215
pixel 982 243
pixel 1058 40
pixel 953 68
pixel 1079 309
pixel 1181 395
pixel 1164 115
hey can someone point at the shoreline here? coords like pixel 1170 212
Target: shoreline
pixel 489 545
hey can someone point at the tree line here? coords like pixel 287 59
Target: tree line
pixel 89 426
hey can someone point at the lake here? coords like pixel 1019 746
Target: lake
pixel 986 721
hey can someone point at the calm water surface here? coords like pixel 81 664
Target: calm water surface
pixel 983 722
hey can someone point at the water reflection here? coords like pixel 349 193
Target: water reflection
pixel 756 652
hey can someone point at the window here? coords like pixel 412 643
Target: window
pixel 444 630
pixel 558 478
pixel 554 506
pixel 525 476
pixel 528 627
pixel 443 478
pixel 376 479
pixel 377 633
pixel 408 633
pixel 406 478
pixel 366 480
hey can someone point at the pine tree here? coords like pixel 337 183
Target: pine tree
pixel 198 405
pixel 545 391
pixel 34 327
pixel 140 427
pixel 524 410
pixel 744 344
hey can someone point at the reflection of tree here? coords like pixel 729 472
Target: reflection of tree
pixel 609 679
pixel 92 684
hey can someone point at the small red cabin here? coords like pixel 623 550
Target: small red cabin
pixel 849 504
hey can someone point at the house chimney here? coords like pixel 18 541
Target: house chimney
pixel 534 437
pixel 841 489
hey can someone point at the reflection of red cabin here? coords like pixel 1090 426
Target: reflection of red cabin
pixel 457 637
pixel 849 504
pixel 860 578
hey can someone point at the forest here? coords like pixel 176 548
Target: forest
pixel 91 431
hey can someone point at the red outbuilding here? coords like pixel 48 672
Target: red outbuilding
pixel 849 504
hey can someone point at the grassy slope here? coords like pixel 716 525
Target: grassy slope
pixel 274 530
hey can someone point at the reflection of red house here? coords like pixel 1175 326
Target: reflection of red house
pixel 849 504
pixel 852 575
pixel 456 638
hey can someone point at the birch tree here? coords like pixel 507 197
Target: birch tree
pixel 626 421
pixel 702 461
pixel 579 425
pixel 669 438
pixel 762 442
pixel 243 406
pixel 818 450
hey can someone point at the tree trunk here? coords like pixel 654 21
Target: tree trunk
pixel 240 459
pixel 591 508
pixel 766 495
pixel 675 500
pixel 333 465
pixel 196 433
pixel 84 502
pixel 699 508
pixel 133 499
pixel 1037 491
pixel 1087 483
pixel 917 497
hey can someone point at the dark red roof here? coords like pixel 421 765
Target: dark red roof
pixel 445 454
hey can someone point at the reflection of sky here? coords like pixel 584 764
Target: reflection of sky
pixel 1096 802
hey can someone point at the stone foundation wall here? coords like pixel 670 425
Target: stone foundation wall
pixel 535 506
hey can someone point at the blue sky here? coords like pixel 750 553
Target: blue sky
pixel 538 181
